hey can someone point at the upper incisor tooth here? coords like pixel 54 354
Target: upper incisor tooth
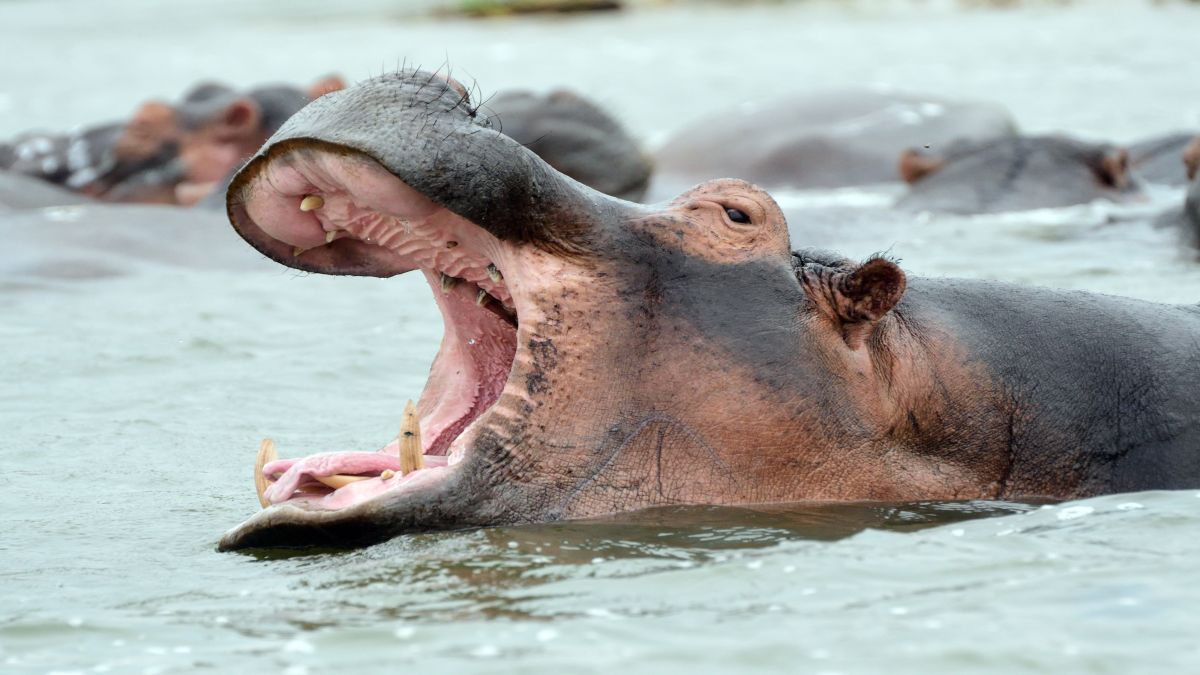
pixel 494 273
pixel 411 457
pixel 311 203
pixel 448 282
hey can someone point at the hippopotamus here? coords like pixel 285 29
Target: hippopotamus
pixel 576 137
pixel 821 140
pixel 165 153
pixel 1014 174
pixel 602 356
pixel 1156 159
pixel 19 191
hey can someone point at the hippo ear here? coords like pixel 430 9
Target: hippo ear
pixel 1113 168
pixel 1191 158
pixel 240 120
pixel 915 165
pixel 854 299
pixel 329 83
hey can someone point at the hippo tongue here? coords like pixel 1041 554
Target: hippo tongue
pixel 299 473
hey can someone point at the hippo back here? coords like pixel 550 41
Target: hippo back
pixel 821 140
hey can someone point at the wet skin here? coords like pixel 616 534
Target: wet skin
pixel 1014 174
pixel 820 140
pixel 576 137
pixel 630 356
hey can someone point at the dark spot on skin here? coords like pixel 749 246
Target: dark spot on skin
pixel 545 357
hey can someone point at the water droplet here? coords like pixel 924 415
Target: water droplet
pixel 754 564
pixel 404 632
pixel 546 634
pixel 1129 506
pixel 958 533
pixel 485 651
pixel 471 341
pixel 788 569
pixel 299 646
pixel 899 611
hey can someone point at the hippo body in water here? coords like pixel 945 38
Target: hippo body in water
pixel 1014 174
pixel 602 356
pixel 1157 159
pixel 822 140
pixel 19 191
pixel 576 137
pixel 166 153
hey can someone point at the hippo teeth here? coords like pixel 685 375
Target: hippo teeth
pixel 411 458
pixel 311 203
pixel 266 453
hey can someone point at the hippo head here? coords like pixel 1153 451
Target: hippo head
pixel 1014 174
pixel 178 153
pixel 598 355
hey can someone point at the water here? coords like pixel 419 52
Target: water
pixel 132 405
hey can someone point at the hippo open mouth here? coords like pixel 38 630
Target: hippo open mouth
pixel 324 206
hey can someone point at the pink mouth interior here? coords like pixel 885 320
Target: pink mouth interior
pixel 363 203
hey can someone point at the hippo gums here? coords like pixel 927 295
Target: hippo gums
pixel 1014 174
pixel 601 356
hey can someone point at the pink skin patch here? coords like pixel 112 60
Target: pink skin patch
pixel 406 231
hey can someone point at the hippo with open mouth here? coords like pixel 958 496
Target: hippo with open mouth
pixel 602 356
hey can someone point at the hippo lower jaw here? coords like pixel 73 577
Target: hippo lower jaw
pixel 327 211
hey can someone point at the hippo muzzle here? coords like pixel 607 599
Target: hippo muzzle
pixel 392 176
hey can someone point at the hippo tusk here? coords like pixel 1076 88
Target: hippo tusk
pixel 411 457
pixel 311 203
pixel 266 454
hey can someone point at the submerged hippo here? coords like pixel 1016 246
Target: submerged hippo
pixel 1156 159
pixel 602 356
pixel 165 153
pixel 821 140
pixel 576 137
pixel 1014 174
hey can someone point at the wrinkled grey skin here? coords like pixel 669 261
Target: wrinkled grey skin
pixel 576 137
pixel 820 140
pixel 1029 391
pixel 1018 174
pixel 1159 159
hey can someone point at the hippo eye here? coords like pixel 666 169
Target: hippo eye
pixel 738 216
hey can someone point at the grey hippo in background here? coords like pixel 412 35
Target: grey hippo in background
pixel 602 356
pixel 165 153
pixel 1017 173
pixel 575 136
pixel 1187 217
pixel 820 140
pixel 1158 159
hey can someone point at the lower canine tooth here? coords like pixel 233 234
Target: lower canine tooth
pixel 266 454
pixel 387 474
pixel 410 440
pixel 311 203
pixel 482 298
pixel 448 282
pixel 330 236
